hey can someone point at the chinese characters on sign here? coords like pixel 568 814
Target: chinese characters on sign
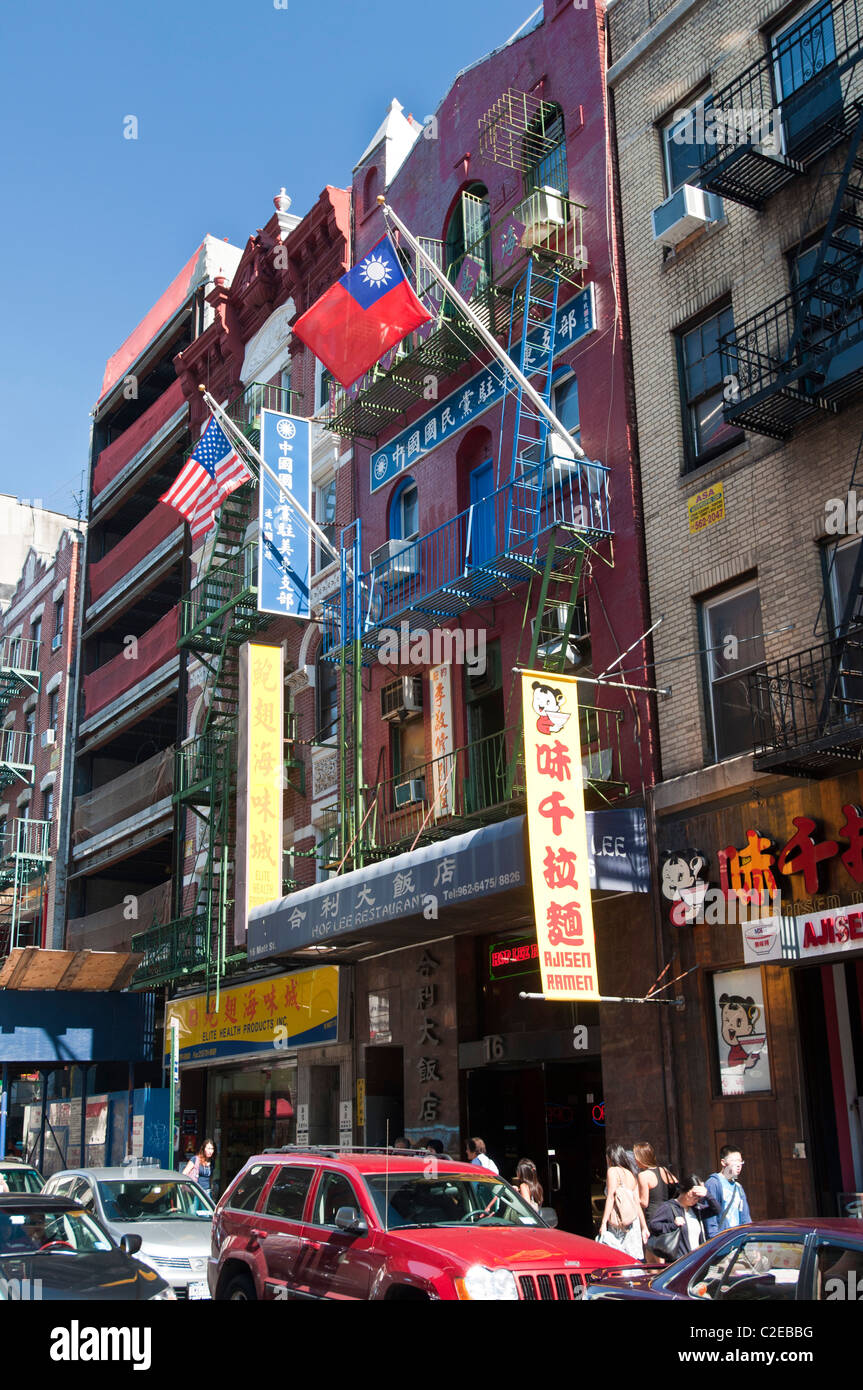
pixel 297 1008
pixel 266 749
pixel 284 549
pixel 443 764
pixel 557 835
pixel 575 319
pixel 428 1066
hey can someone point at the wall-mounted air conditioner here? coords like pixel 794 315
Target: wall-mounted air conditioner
pixel 687 210
pixel 409 793
pixel 554 623
pixel 49 736
pixel 543 213
pixel 395 561
pixel 402 697
pixel 56 640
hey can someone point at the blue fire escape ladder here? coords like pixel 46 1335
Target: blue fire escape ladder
pixel 534 300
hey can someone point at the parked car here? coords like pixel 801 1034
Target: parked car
pixel 304 1223
pixel 782 1261
pixel 19 1176
pixel 170 1213
pixel 51 1249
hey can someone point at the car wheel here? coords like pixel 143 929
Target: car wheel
pixel 239 1289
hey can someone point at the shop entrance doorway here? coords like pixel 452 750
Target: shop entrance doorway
pixel 385 1094
pixel 553 1114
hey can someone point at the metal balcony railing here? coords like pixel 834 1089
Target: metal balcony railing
pixel 480 783
pixel 796 358
pixel 758 143
pixel 245 409
pixel 227 589
pixel 16 756
pixel 807 712
pixel 518 130
pixel 179 948
pixel 197 761
pixel 19 667
pixel 477 555
pixel 24 849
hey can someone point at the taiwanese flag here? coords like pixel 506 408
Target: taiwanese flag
pixel 357 319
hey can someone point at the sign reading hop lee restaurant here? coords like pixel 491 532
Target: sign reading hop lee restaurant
pixel 557 836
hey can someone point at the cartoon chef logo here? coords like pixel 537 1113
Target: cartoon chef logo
pixel 547 703
pixel 683 885
pixel 737 1020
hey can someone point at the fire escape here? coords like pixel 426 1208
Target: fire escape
pixel 530 535
pixel 801 358
pixel 25 846
pixel 217 615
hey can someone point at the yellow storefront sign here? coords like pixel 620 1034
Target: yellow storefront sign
pixel 557 835
pixel 266 749
pixel 705 508
pixel 273 1015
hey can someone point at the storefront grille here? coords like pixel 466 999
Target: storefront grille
pixel 550 1287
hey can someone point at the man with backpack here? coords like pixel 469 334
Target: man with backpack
pixel 726 1190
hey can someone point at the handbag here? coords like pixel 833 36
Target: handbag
pixel 667 1245
pixel 626 1206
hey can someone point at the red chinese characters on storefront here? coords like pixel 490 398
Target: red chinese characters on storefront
pixel 557 831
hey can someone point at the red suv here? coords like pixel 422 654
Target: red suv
pixel 302 1223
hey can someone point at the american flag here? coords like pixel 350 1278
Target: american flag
pixel 212 473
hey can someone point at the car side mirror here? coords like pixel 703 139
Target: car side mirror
pixel 348 1220
pixel 549 1216
pixel 131 1244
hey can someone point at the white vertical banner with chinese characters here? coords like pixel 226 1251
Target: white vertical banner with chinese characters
pixel 557 835
pixel 284 545
pixel 443 764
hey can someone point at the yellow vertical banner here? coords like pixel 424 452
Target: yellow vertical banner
pixel 265 775
pixel 557 836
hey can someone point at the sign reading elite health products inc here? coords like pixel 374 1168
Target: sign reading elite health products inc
pixel 557 836
pixel 272 1015
pixel 285 547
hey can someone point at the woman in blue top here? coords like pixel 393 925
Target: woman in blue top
pixel 200 1168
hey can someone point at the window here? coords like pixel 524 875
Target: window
pixel 544 152
pixel 36 634
pixel 325 516
pixel 30 720
pixel 287 1196
pixel 806 47
pixel 841 278
pixel 469 234
pixel 733 638
pixel 326 380
pixel 755 1269
pixel 839 1271
pixel 327 691
pixel 404 512
pixel 839 561
pixel 48 804
pixel 53 708
pixel 59 608
pixel 684 148
pixel 249 1188
pixel 285 387
pixel 408 749
pixel 703 368
pixel 565 406
pixel 335 1191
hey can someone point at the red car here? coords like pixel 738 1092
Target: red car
pixel 301 1223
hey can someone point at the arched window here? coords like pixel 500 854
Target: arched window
pixel 370 189
pixel 404 512
pixel 468 233
pixel 544 151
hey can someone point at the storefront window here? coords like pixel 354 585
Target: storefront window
pixel 250 1109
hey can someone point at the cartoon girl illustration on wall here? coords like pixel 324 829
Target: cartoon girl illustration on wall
pixel 737 1020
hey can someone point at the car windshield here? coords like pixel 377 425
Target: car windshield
pixel 156 1200
pixel 28 1232
pixel 22 1179
pixel 411 1199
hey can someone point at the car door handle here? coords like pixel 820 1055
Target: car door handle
pixel 259 1235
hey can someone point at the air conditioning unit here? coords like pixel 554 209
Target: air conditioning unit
pixel 402 697
pixel 687 210
pixel 554 622
pixel 49 736
pixel 409 793
pixel 395 561
pixel 544 212
pixel 56 640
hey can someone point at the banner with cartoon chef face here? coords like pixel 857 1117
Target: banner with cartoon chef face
pixel 557 835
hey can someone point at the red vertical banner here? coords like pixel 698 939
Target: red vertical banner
pixel 557 835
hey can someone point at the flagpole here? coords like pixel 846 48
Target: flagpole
pixel 490 342
pixel 265 467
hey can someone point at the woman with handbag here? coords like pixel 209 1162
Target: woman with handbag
pixel 677 1227
pixel 656 1185
pixel 622 1226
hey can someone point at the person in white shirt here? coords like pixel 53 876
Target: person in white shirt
pixel 477 1155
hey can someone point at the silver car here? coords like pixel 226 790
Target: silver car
pixel 170 1213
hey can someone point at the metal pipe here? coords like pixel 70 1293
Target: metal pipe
pixel 491 343
pixel 4 1105
pixel 44 1118
pixel 617 999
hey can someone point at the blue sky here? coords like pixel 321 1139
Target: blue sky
pixel 233 98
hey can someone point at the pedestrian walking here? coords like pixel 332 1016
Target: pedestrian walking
pixel 623 1226
pixel 528 1183
pixel 477 1155
pixel 680 1224
pixel 656 1185
pixel 200 1166
pixel 727 1191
